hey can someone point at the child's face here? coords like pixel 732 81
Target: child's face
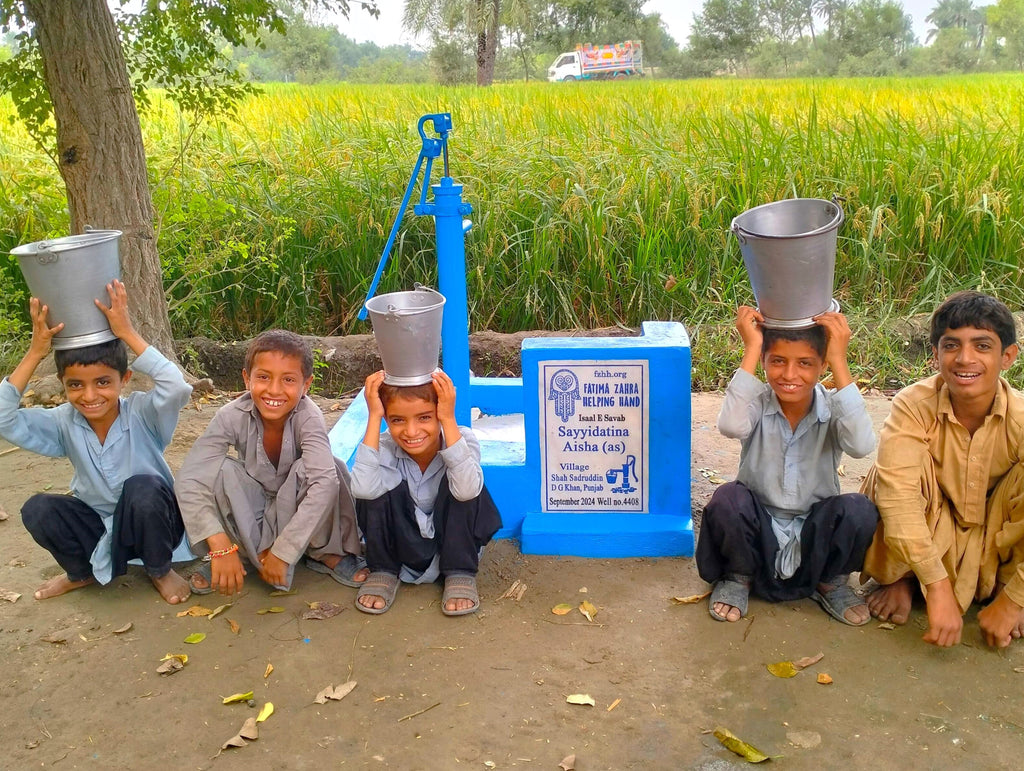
pixel 792 368
pixel 969 361
pixel 414 426
pixel 95 391
pixel 276 384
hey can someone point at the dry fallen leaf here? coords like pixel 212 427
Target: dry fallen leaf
pixel 734 744
pixel 274 609
pixel 170 666
pixel 716 480
pixel 266 711
pixel 689 599
pixel 581 699
pixel 807 661
pixel 218 610
pixel 783 669
pixel 249 730
pixel 122 629
pixel 670 283
pixel 1019 670
pixel 195 637
pixel 887 625
pixel 270 668
pixel 824 679
pixel 588 610
pixel 234 626
pixel 8 595
pixel 237 697
pixel 195 610
pixel 841 469
pixel 568 763
pixel 59 637
pixel 182 657
pixel 335 694
pixel 562 609
pixel 318 611
pixel 805 740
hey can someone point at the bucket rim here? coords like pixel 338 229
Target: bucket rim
pixel 66 243
pixel 834 224
pixel 440 301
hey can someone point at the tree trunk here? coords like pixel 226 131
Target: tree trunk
pixel 487 48
pixel 99 146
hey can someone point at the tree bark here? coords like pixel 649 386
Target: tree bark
pixel 101 156
pixel 487 47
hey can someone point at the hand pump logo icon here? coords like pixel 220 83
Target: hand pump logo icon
pixel 564 390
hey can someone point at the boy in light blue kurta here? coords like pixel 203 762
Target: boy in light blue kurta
pixel 122 503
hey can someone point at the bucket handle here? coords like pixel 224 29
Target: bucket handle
pixel 43 254
pixel 417 287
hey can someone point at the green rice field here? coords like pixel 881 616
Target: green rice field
pixel 595 204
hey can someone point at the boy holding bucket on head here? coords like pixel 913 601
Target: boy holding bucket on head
pixel 782 529
pixel 261 483
pixel 949 482
pixel 122 503
pixel 419 486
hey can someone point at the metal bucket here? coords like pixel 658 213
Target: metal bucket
pixel 67 274
pixel 789 248
pixel 407 326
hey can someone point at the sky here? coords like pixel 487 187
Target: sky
pixel 677 15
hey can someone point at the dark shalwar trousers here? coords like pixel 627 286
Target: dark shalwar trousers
pixel 736 537
pixel 147 526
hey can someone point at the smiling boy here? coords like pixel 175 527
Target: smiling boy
pixel 420 495
pixel 782 529
pixel 949 480
pixel 122 503
pixel 261 482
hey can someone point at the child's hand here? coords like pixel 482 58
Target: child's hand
pixel 837 333
pixel 445 397
pixel 273 569
pixel 227 575
pixel 117 313
pixel 371 392
pixel 42 333
pixel 748 323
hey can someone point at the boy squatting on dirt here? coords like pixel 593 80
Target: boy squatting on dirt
pixel 122 503
pixel 284 495
pixel 420 495
pixel 783 529
pixel 949 482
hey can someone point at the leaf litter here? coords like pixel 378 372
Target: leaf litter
pixel 195 638
pixel 562 609
pixel 237 697
pixel 335 694
pixel 791 668
pixel 690 599
pixel 582 699
pixel 195 610
pixel 735 744
pixel 588 610
pixel 321 610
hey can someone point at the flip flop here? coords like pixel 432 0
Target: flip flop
pixel 460 586
pixel 839 599
pixel 731 592
pixel 378 585
pixel 205 571
pixel 343 572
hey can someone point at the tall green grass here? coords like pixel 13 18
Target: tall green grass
pixel 594 204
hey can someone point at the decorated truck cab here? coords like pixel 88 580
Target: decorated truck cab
pixel 615 61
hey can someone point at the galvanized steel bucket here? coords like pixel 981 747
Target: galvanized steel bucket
pixel 407 327
pixel 789 249
pixel 67 274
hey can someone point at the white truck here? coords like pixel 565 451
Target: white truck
pixel 619 60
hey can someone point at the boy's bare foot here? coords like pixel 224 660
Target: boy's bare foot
pixel 172 587
pixel 892 602
pixel 728 612
pixel 59 585
pixel 728 601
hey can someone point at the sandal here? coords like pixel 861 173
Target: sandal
pixel 839 599
pixel 460 586
pixel 733 590
pixel 344 572
pixel 203 571
pixel 383 585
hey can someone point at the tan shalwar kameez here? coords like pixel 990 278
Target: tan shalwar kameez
pixel 951 504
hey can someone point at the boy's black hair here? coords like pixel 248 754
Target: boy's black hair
pixel 283 342
pixel 813 336
pixel 973 309
pixel 111 354
pixel 425 391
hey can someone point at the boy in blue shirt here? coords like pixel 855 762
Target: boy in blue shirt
pixel 782 529
pixel 122 503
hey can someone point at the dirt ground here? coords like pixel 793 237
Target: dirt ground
pixel 483 691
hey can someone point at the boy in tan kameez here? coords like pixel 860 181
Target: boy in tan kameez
pixel 949 482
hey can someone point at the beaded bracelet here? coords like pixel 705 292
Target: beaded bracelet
pixel 222 552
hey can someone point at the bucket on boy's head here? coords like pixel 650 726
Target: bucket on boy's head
pixel 407 327
pixel 67 274
pixel 789 249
